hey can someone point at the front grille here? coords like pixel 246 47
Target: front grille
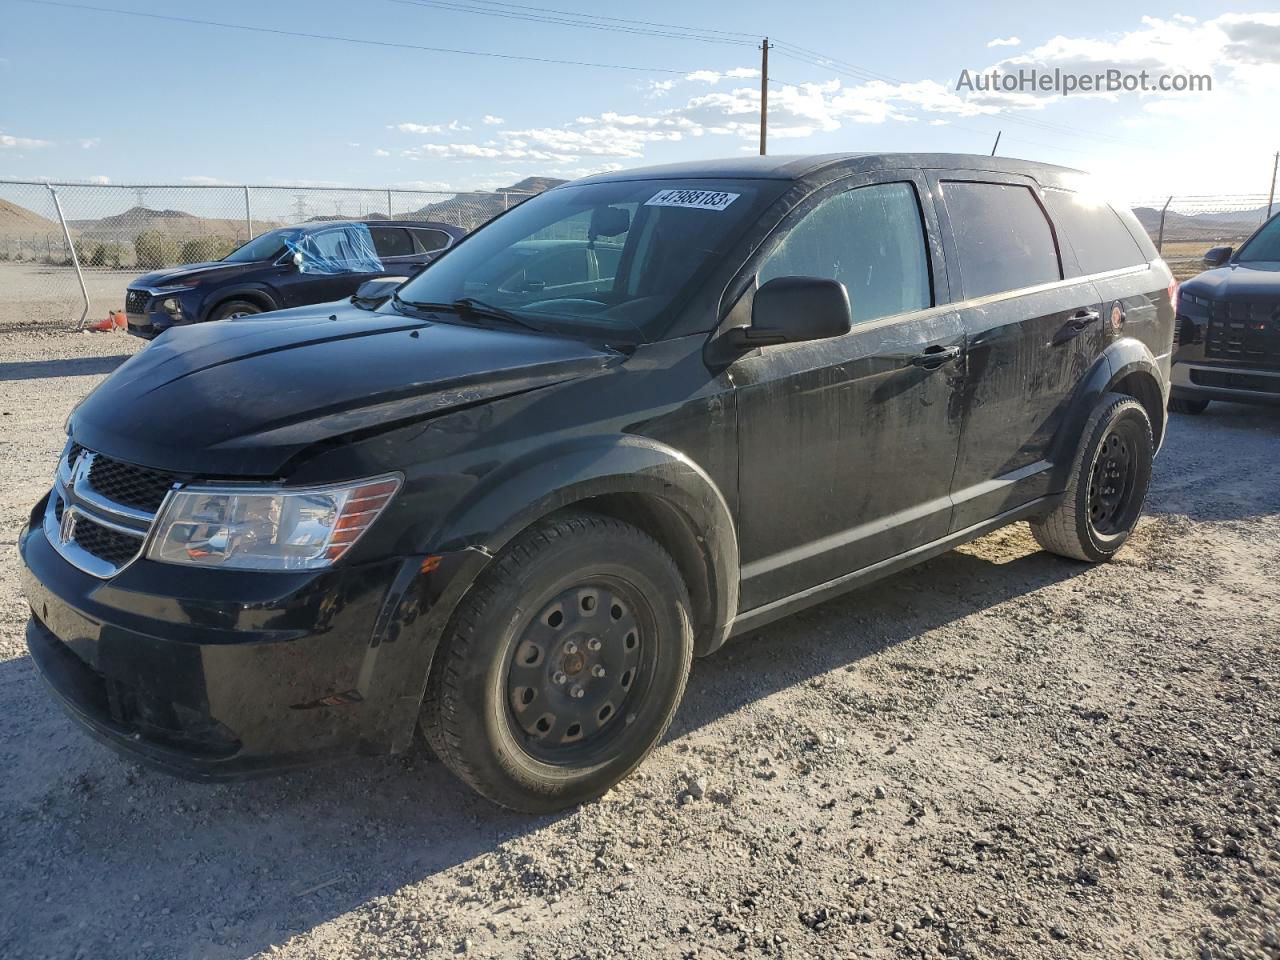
pixel 1230 380
pixel 104 543
pixel 135 301
pixel 1244 332
pixel 132 486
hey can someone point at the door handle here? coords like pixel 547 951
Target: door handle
pixel 1079 321
pixel 934 357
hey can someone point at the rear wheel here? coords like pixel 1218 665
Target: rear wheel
pixel 563 666
pixel 1108 486
pixel 1186 405
pixel 234 308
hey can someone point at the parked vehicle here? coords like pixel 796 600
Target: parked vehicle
pixel 629 419
pixel 289 267
pixel 1228 327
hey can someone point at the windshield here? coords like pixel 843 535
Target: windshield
pixel 1265 245
pixel 268 246
pixel 607 258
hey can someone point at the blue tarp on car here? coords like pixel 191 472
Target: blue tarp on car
pixel 345 249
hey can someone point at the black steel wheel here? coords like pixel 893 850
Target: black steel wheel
pixel 1113 480
pixel 1107 488
pixel 234 309
pixel 563 665
pixel 578 667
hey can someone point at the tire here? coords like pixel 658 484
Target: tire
pixel 1110 477
pixel 234 308
pixel 575 594
pixel 1185 405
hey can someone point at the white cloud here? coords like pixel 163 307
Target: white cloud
pixel 203 181
pixel 381 153
pixel 1004 42
pixel 491 121
pixel 8 142
pixel 417 127
pixel 98 179
pixel 457 125
pixel 88 143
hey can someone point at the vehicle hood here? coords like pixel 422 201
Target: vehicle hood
pixel 193 272
pixel 243 398
pixel 1237 281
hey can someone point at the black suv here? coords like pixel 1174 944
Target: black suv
pixel 289 267
pixel 1228 329
pixel 510 504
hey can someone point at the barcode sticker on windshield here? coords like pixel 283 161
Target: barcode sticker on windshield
pixel 697 199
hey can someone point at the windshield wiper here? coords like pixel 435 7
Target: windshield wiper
pixel 468 307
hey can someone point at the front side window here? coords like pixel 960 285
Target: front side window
pixel 1263 246
pixel 1097 235
pixel 870 239
pixel 1003 239
pixel 268 246
pixel 611 258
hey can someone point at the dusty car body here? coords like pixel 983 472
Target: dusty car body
pixel 702 437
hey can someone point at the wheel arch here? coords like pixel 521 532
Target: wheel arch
pixel 256 295
pixel 1128 367
pixel 633 479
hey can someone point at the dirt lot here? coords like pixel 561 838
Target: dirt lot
pixel 999 754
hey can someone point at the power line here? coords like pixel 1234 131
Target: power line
pixel 675 33
pixel 354 40
pixel 749 37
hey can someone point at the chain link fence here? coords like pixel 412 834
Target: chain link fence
pixel 64 243
pixel 1184 227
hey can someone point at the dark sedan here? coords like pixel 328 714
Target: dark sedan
pixel 289 267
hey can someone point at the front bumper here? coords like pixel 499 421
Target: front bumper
pixel 216 675
pixel 1215 381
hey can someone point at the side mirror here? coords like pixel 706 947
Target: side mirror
pixel 373 293
pixel 296 258
pixel 795 309
pixel 1217 256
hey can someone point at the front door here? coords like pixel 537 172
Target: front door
pixel 847 445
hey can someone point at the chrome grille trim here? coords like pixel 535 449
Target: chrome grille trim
pixel 73 499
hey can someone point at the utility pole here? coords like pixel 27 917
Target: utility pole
pixel 764 96
pixel 1272 197
pixel 997 143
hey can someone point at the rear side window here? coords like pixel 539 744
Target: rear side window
pixel 391 241
pixel 1097 235
pixel 428 241
pixel 870 239
pixel 1003 239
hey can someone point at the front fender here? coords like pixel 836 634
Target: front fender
pixel 1126 366
pixel 512 498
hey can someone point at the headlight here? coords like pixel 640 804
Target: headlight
pixel 172 306
pixel 267 528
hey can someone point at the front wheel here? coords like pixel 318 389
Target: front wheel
pixel 233 309
pixel 563 665
pixel 1188 405
pixel 1108 487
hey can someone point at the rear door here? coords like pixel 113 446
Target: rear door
pixel 1031 336
pixel 395 248
pixel 847 445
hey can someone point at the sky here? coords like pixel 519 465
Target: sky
pixel 102 96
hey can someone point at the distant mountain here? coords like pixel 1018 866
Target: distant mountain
pixel 1212 225
pixel 16 221
pixel 177 224
pixel 470 210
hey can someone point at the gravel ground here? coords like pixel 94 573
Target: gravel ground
pixel 998 754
